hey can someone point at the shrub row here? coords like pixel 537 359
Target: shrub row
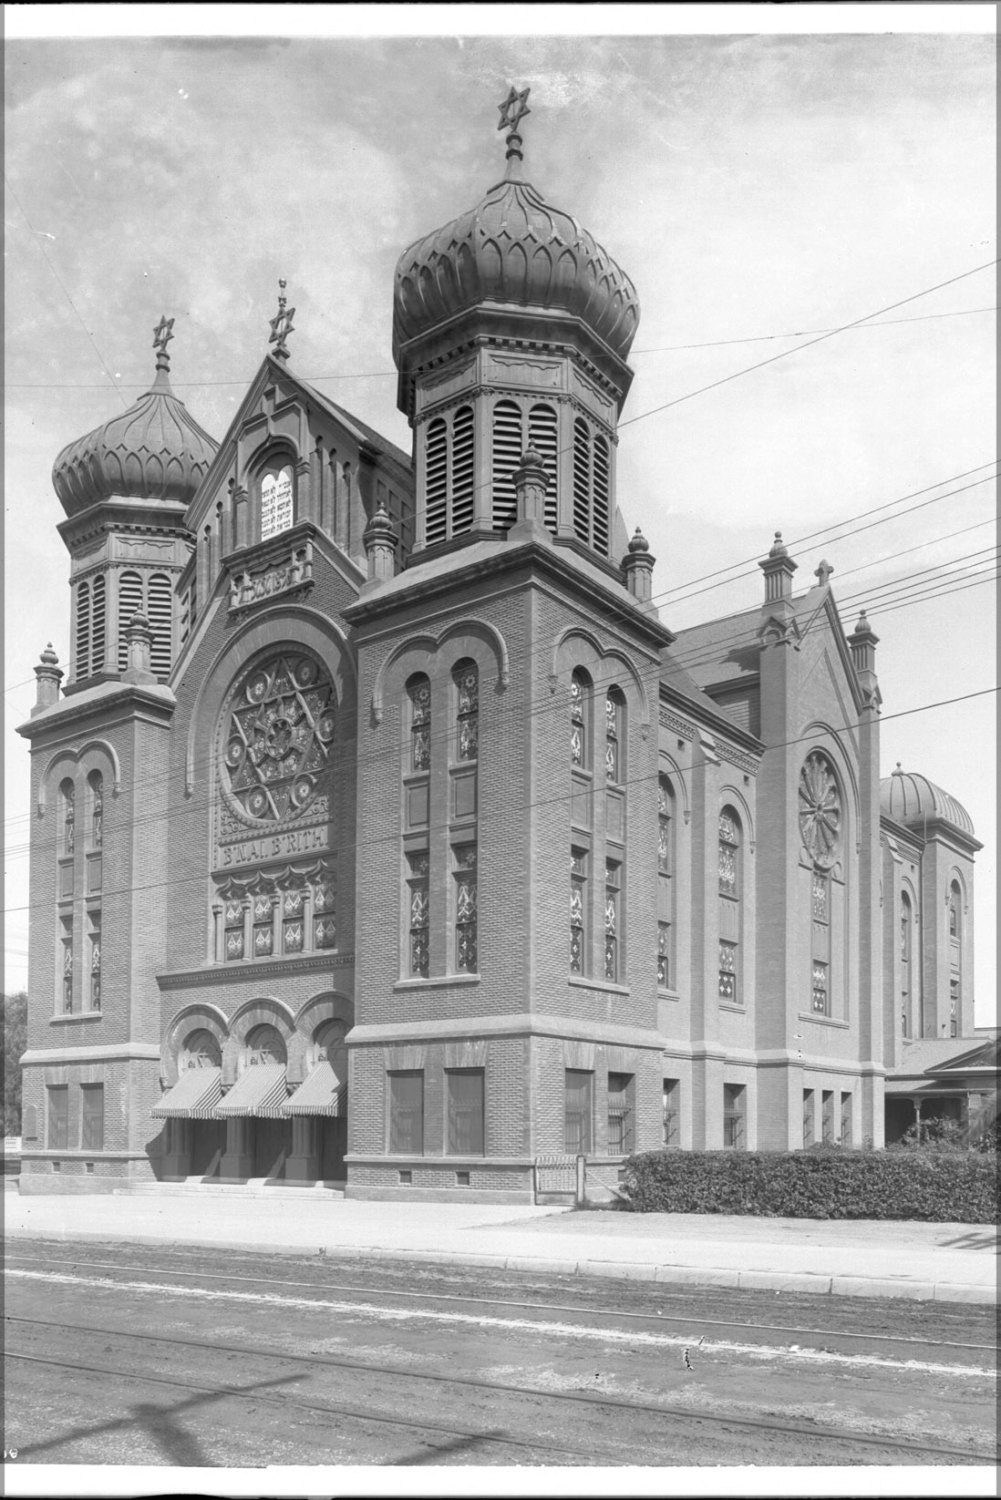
pixel 823 1184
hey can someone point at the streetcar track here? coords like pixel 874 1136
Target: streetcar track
pixel 658 1320
pixel 790 1427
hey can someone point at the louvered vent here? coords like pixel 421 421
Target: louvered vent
pixel 160 613
pixel 98 623
pixel 462 470
pixel 436 462
pixel 581 480
pixel 130 598
pixel 506 458
pixel 601 495
pixel 83 630
pixel 542 436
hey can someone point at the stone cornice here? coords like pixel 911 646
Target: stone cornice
pixel 108 1052
pixel 241 970
pixel 125 702
pixel 521 1024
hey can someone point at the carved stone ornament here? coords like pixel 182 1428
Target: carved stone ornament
pixel 819 810
pixel 295 573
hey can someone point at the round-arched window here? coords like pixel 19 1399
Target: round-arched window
pixel 265 1045
pixel 277 734
pixel 200 1050
pixel 329 1046
pixel 820 810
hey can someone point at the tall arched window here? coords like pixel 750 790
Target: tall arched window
pixel 906 935
pixel 580 704
pixel 467 716
pixel 955 958
pixel 98 622
pixel 416 856
pixel 130 600
pixel 665 893
pixel 96 783
pixel 730 894
pixel 543 436
pixel 67 793
pixel 820 826
pixel 419 694
pixel 614 749
pixel 277 501
pixel 507 448
pixel 159 611
pixel 83 629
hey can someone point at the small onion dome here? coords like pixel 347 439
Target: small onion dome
pixel 909 798
pixel 153 451
pixel 638 542
pixel 513 248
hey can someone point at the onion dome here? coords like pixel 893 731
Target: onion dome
pixel 513 248
pixel 153 451
pixel 910 798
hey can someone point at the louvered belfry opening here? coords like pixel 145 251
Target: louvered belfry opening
pixel 130 599
pixel 159 611
pixel 507 450
pixel 543 436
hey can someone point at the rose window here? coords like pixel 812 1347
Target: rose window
pixel 819 810
pixel 278 738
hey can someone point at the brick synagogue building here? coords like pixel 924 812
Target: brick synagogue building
pixel 384 834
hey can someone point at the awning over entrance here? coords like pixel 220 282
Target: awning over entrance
pixel 321 1094
pixel 193 1097
pixel 259 1092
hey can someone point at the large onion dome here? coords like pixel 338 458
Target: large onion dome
pixel 909 798
pixel 513 248
pixel 153 451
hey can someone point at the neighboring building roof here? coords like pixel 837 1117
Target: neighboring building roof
pixel 727 648
pixel 154 451
pixel 933 1056
pixel 910 798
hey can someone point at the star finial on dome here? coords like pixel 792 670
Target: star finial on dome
pixel 161 338
pixel 281 323
pixel 512 111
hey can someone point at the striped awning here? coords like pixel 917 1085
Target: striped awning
pixel 321 1094
pixel 193 1097
pixel 260 1092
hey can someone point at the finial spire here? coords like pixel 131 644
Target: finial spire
pixel 161 338
pixel 281 323
pixel 512 110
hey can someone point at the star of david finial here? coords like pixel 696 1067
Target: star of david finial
pixel 512 111
pixel 514 108
pixel 281 323
pixel 161 338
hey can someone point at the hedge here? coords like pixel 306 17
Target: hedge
pixel 948 1187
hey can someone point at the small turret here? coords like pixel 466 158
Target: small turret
pixel 778 568
pixel 49 675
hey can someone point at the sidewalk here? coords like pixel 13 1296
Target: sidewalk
pixel 864 1258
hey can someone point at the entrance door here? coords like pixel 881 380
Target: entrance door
pixel 272 1143
pixel 208 1141
pixel 333 1144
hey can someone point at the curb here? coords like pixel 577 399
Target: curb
pixel 613 1270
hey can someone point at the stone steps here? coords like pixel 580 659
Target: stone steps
pixel 195 1187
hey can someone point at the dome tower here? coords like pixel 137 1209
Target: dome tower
pixel 511 328
pixel 125 488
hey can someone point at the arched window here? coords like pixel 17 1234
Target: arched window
pixel 419 694
pixel 160 613
pixel 130 600
pixel 97 638
pixel 67 792
pixel 614 714
pixel 463 470
pixel 955 958
pixel 820 826
pixel 955 911
pixel 543 437
pixel 277 501
pixel 200 1050
pixel 507 448
pixel 906 934
pixel 435 482
pixel 265 1045
pixel 96 783
pixel 665 894
pixel 580 705
pixel 467 716
pixel 83 629
pixel 730 890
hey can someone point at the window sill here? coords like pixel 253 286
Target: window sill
pixel 663 994
pixel 83 1015
pixel 824 1020
pixel 434 981
pixel 737 1010
pixel 605 985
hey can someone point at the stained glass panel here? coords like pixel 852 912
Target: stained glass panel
pixel 819 999
pixel 727 870
pixel 728 971
pixel 819 896
pixel 663 954
pixel 278 739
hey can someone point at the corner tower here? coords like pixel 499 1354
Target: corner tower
pixel 125 488
pixel 511 328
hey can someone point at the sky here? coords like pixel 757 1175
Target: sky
pixel 760 188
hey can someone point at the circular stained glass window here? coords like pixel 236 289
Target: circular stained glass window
pixel 277 737
pixel 819 810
